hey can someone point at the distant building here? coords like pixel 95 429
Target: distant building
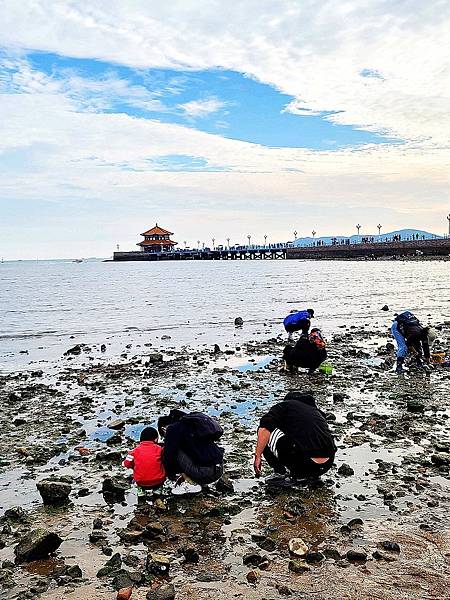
pixel 157 239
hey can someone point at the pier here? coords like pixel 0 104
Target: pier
pixel 360 250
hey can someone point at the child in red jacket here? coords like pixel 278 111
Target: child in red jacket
pixel 146 462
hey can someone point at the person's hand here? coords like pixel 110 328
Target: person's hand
pixel 257 466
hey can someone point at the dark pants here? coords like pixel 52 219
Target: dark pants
pixel 201 474
pixel 419 341
pixel 304 354
pixel 303 325
pixel 292 459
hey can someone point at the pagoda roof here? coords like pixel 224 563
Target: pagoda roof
pixel 156 230
pixel 157 243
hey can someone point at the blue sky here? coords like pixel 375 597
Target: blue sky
pixel 240 108
pixel 208 117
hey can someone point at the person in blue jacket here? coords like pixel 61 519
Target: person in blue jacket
pixel 410 334
pixel 298 321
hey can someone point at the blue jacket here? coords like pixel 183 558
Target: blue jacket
pixel 295 318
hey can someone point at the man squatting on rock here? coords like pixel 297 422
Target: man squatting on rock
pixel 410 335
pixel 298 321
pixel 294 436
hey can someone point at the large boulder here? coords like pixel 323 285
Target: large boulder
pixel 54 491
pixel 37 544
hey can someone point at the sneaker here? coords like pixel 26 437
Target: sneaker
pixel 281 481
pixel 186 488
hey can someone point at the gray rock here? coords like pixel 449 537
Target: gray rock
pixel 346 470
pixel 356 556
pixel 163 592
pixel 54 491
pixel 239 321
pixel 37 544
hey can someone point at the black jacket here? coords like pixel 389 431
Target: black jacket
pixel 183 436
pixel 299 419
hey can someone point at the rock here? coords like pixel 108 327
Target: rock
pixel 124 593
pixel 345 470
pixel 283 590
pixel 116 424
pixel 155 530
pixel 253 576
pixel 217 349
pixel 356 556
pixel 115 438
pixel 314 557
pixel 155 357
pixel 157 564
pixel 253 559
pixel 74 572
pixel 15 514
pixel 382 556
pixel 385 308
pixel 264 542
pixel 224 485
pixel 124 579
pixel 239 321
pixel 131 536
pixel 53 491
pixel 114 488
pixel 111 565
pixel 163 592
pixel 190 555
pixel 415 405
pixel 297 547
pixel 442 458
pixel 298 566
pixel 103 348
pixel 37 544
pixel 390 546
pixel 74 351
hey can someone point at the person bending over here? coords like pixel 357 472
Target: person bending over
pixel 294 439
pixel 308 353
pixel 190 449
pixel 146 462
pixel 298 321
pixel 411 336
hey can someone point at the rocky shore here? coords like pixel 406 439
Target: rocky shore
pixel 375 527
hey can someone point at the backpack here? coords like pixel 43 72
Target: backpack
pixel 316 338
pixel 203 426
pixel 407 318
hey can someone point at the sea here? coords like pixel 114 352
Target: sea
pixel 48 306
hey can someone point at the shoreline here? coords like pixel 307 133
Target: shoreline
pixel 387 428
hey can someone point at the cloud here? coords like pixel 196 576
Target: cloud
pixel 202 108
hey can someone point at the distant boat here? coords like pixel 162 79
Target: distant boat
pixel 78 260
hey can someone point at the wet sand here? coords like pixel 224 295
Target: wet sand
pixel 391 431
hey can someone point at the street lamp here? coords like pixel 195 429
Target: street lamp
pixel 117 247
pixel 185 245
pixel 213 240
pixel 203 246
pixel 249 237
pixel 295 235
pixel 448 219
pixel 198 244
pixel 265 239
pixel 228 241
pixel 358 227
pixel 379 228
pixel 313 233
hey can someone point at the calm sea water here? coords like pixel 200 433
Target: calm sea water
pixel 44 303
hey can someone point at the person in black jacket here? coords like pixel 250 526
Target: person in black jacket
pixel 190 448
pixel 294 438
pixel 308 353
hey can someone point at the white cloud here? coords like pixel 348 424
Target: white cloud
pixel 202 108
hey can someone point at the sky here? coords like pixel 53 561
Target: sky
pixel 218 119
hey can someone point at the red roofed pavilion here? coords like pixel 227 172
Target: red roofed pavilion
pixel 157 239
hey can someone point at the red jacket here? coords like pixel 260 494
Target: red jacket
pixel 146 462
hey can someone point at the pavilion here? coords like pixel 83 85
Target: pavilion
pixel 157 239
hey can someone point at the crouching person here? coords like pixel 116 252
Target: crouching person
pixel 294 439
pixel 146 462
pixel 190 450
pixel 308 353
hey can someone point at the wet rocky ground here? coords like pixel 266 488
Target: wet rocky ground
pixel 376 526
